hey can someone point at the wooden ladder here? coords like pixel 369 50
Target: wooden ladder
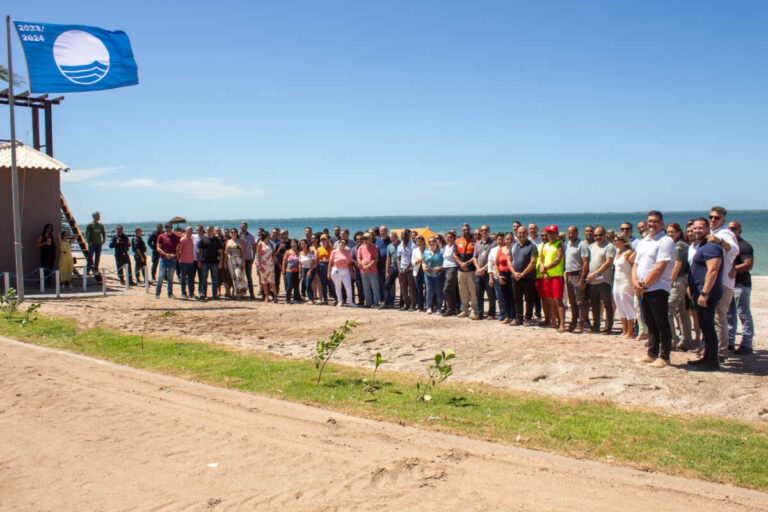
pixel 66 213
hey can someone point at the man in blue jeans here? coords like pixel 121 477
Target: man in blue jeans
pixel 392 272
pixel 382 240
pixel 95 235
pixel 168 250
pixel 740 308
pixel 210 258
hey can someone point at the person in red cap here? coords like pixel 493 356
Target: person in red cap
pixel 552 269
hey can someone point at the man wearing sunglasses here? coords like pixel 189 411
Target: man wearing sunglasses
pixel 724 237
pixel 600 279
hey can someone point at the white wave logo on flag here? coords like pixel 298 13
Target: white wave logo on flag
pixel 81 57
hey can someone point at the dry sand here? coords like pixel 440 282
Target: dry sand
pixel 81 434
pixel 521 358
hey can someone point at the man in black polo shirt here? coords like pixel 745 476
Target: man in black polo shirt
pixel 740 308
pixel 524 255
pixel 210 258
pixel 121 244
pixel 705 284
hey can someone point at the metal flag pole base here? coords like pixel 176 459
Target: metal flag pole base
pixel 14 173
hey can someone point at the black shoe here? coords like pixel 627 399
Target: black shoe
pixel 743 351
pixel 706 367
pixel 731 348
pixel 696 362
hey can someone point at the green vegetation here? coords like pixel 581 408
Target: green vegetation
pixel 720 450
pixel 436 373
pixel 325 349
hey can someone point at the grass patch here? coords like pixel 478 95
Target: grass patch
pixel 719 450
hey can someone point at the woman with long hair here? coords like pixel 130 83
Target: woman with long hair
pixel 308 265
pixel 47 246
pixel 66 261
pixel 451 285
pixel 266 262
pixel 434 275
pixel 236 263
pixel 502 269
pixel 225 278
pixel 290 268
pixel 623 292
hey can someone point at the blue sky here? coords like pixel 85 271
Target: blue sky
pixel 290 109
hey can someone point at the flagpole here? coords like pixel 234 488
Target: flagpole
pixel 14 174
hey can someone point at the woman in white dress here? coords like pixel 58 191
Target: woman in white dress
pixel 623 294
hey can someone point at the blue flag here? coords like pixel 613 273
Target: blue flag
pixel 75 58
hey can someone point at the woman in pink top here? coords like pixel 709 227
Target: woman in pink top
pixel 187 260
pixel 340 271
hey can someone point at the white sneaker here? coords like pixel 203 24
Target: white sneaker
pixel 339 305
pixel 351 304
pixel 429 312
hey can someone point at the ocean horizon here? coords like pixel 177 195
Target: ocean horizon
pixel 754 224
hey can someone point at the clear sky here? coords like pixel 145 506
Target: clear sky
pixel 286 109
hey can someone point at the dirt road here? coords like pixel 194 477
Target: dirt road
pixel 82 434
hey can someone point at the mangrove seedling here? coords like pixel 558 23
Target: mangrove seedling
pixel 436 373
pixel 325 349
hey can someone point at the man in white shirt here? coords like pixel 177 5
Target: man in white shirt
pixel 652 280
pixel 405 272
pixel 724 237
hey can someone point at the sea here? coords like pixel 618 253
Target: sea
pixel 754 224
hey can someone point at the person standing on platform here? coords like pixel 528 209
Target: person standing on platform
pixel 96 236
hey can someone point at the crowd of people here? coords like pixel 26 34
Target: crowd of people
pixel 678 288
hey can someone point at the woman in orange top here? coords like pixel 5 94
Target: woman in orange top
pixel 323 257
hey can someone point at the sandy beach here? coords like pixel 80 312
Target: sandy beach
pixel 520 358
pixel 83 434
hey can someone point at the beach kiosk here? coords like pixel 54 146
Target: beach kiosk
pixel 40 203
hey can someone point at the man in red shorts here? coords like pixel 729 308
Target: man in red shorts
pixel 551 267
